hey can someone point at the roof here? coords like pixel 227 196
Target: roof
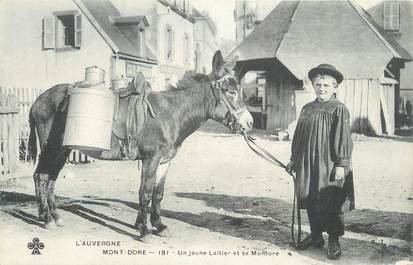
pixel 129 20
pixel 196 15
pixel 303 34
pixel 177 10
pixel 107 17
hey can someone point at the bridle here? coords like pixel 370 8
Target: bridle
pixel 218 86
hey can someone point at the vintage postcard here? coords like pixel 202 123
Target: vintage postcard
pixel 206 132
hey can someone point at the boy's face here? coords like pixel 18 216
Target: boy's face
pixel 324 86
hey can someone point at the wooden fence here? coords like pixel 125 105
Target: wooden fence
pixel 9 141
pixel 24 98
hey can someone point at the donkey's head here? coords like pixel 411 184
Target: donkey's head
pixel 230 110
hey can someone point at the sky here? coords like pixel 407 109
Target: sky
pixel 221 11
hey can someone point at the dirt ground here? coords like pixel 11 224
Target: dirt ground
pixel 222 204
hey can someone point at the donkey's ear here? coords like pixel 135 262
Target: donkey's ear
pixel 217 63
pixel 138 81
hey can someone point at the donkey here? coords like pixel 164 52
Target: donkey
pixel 179 113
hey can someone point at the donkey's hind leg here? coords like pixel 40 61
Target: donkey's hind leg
pixel 157 197
pixel 59 163
pixel 41 183
pixel 45 180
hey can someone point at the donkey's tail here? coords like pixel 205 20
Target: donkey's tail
pixel 32 145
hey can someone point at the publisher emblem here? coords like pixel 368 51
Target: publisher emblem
pixel 35 245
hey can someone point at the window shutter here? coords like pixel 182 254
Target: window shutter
pixel 395 16
pixel 78 30
pixel 48 36
pixel 166 43
pixel 189 50
pixel 391 15
pixel 187 7
pixel 184 50
pixel 141 43
pixel 386 15
pixel 172 45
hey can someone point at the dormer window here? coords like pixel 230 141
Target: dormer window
pixel 133 28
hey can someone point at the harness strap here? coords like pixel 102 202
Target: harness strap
pixel 234 112
pixel 264 154
pixel 149 106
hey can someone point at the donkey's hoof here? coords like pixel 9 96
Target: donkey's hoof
pixel 144 232
pixel 147 239
pixel 59 222
pixel 50 225
pixel 142 228
pixel 163 233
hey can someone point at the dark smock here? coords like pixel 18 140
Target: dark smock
pixel 322 140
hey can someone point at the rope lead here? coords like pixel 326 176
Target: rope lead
pixel 264 154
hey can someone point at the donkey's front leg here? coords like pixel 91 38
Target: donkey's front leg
pixel 157 197
pixel 149 166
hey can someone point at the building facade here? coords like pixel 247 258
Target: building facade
pixel 57 40
pixel 396 19
pixel 205 41
pixel 172 38
pixel 42 64
pixel 248 14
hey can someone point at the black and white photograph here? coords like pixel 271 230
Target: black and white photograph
pixel 206 132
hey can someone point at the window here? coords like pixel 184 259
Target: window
pixel 391 16
pixel 63 30
pixel 187 49
pixel 169 43
pixel 141 42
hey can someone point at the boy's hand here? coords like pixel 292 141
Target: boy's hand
pixel 339 173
